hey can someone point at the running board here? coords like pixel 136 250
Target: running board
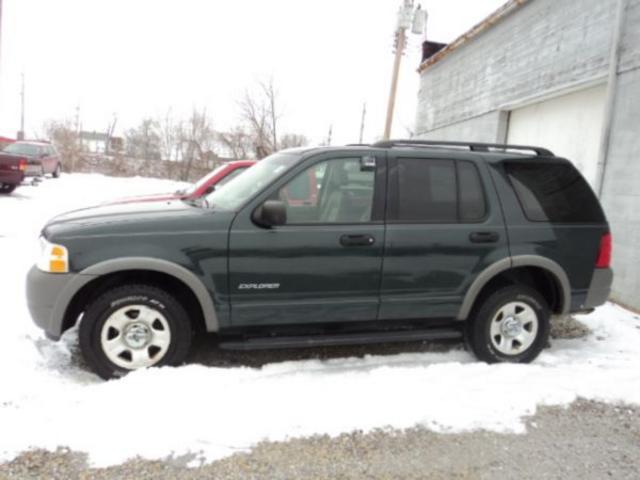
pixel 303 341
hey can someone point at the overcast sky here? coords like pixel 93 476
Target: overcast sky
pixel 137 58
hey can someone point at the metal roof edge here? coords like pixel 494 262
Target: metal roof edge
pixel 479 28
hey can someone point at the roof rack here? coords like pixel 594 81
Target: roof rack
pixel 473 146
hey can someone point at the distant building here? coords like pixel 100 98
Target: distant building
pixel 100 142
pixel 559 74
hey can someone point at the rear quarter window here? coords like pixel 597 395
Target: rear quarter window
pixel 553 192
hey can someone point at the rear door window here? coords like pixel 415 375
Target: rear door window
pixel 427 190
pixel 554 192
pixel 437 191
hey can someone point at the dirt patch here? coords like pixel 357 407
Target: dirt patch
pixel 568 327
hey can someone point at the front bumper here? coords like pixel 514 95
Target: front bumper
pixel 49 295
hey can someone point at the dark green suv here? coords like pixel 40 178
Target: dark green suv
pixel 396 241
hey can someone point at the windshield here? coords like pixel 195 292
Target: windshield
pixel 22 149
pixel 232 195
pixel 204 180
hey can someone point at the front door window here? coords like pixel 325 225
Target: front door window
pixel 331 192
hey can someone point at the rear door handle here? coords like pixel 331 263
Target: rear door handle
pixel 357 240
pixel 484 237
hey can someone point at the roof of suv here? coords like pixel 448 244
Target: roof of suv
pixel 488 151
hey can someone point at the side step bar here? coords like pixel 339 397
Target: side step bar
pixel 303 341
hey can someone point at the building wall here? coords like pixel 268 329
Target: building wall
pixel 545 49
pixel 621 189
pixel 489 127
pixel 542 46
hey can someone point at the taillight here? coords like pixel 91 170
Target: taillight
pixel 604 253
pixel 22 165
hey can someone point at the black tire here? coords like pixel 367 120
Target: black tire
pixel 57 171
pixel 478 331
pixel 6 188
pixel 102 308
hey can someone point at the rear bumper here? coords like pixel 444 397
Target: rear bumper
pixel 34 169
pixel 11 177
pixel 49 295
pixel 600 288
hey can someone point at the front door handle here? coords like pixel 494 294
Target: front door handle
pixel 484 237
pixel 357 240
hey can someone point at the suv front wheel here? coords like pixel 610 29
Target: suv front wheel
pixel 510 325
pixel 131 327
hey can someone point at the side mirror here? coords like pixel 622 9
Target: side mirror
pixel 43 155
pixel 271 213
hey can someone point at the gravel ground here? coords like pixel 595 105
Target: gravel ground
pixel 588 440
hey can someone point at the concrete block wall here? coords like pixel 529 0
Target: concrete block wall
pixel 543 45
pixel 489 127
pixel 621 190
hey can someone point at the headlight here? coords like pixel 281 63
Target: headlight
pixel 54 258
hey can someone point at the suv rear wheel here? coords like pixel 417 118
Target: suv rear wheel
pixel 131 327
pixel 510 325
pixel 58 170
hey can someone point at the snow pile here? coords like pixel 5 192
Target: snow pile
pixel 46 400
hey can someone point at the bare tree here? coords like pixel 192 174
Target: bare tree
pixel 254 115
pixel 271 95
pixel 259 113
pixel 198 137
pixel 291 140
pixel 64 136
pixel 237 142
pixel 144 140
pixel 170 131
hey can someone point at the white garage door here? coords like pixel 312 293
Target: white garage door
pixel 569 125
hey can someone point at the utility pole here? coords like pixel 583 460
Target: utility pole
pixel 0 43
pixel 330 134
pixel 110 130
pixel 364 113
pixel 21 132
pixel 407 18
pixel 400 44
pixel 0 31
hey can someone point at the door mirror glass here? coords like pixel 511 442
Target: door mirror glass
pixel 271 213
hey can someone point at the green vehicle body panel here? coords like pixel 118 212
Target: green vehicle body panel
pixel 428 267
pixel 409 271
pixel 319 279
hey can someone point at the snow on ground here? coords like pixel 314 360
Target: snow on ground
pixel 47 400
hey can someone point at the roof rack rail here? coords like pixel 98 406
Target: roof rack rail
pixel 473 146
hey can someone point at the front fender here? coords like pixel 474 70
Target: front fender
pixel 157 265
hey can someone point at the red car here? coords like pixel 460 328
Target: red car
pixel 41 157
pixel 204 186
